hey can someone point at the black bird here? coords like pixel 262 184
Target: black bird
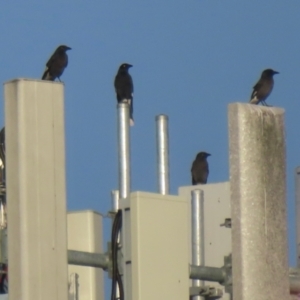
pixel 56 64
pixel 263 87
pixel 200 168
pixel 124 88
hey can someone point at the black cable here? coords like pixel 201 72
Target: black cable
pixel 2 145
pixel 116 277
pixel 113 247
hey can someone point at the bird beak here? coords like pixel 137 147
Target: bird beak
pixel 207 154
pixel 69 48
pixel 129 66
pixel 275 72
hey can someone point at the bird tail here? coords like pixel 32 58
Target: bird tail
pixel 46 75
pixel 254 100
pixel 131 112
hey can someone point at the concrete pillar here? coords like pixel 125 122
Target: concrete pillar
pixel 258 202
pixel 36 193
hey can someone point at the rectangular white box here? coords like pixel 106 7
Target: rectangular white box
pixel 217 239
pixel 157 228
pixel 36 193
pixel 85 234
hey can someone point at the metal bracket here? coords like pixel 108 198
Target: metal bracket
pixel 227 268
pixel 227 223
pixel 111 214
pixel 208 292
pixel 120 259
pixel 3 246
pixel 109 268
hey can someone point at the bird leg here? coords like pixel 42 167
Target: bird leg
pixel 265 104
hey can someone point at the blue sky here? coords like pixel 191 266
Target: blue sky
pixel 190 59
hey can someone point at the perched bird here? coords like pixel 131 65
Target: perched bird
pixel 200 168
pixel 263 87
pixel 124 88
pixel 56 64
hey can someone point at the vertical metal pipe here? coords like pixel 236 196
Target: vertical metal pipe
pixel 297 188
pixel 197 233
pixel 258 202
pixel 115 200
pixel 162 144
pixel 123 150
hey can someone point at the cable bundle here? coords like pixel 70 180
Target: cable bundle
pixel 116 276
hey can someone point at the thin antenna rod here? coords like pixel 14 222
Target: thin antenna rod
pixel 197 233
pixel 162 144
pixel 124 150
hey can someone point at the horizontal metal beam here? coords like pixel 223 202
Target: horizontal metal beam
pixel 99 260
pixel 80 258
pixel 219 275
pixel 207 273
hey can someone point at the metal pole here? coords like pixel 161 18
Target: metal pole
pixel 297 185
pixel 207 273
pixel 115 204
pixel 258 202
pixel 197 233
pixel 162 142
pixel 124 187
pixel 124 150
pixel 115 200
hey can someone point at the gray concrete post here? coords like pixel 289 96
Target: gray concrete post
pixel 258 202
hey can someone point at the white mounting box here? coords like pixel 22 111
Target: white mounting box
pixel 85 234
pixel 156 252
pixel 217 239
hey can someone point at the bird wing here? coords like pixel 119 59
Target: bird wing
pixel 262 89
pixel 256 87
pixel 55 66
pixel 52 59
pixel 46 75
pixel 200 171
pixel 124 86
